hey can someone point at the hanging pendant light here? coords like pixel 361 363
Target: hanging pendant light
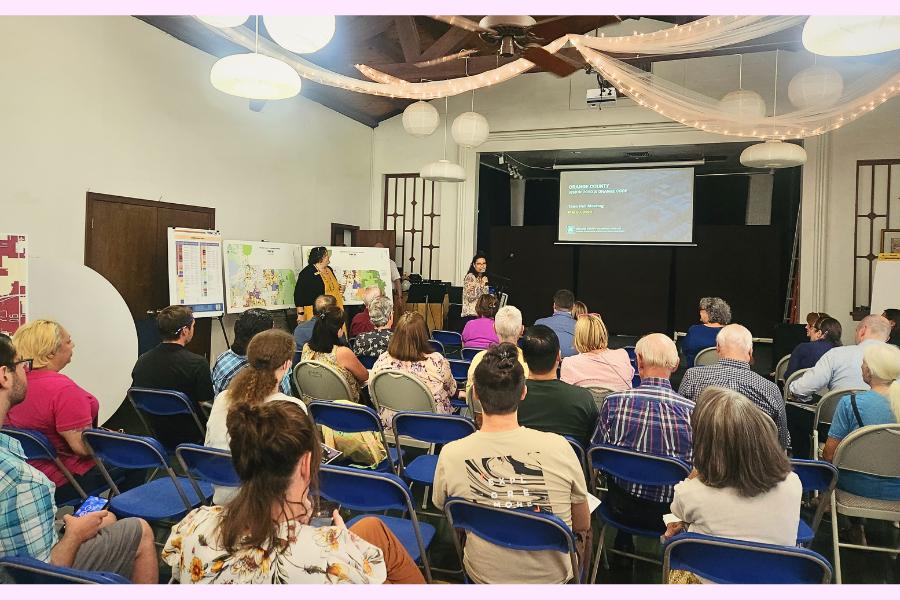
pixel 815 87
pixel 301 33
pixel 744 105
pixel 844 35
pixel 224 20
pixel 470 129
pixel 443 170
pixel 420 119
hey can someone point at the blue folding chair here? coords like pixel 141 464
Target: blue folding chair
pixel 724 560
pixel 437 347
pixel 632 355
pixel 164 499
pixel 580 453
pixel 357 489
pixel 353 418
pixel 211 465
pixel 815 476
pixel 27 570
pixel 367 361
pixel 451 340
pixel 634 467
pixel 514 529
pixel 469 353
pixel 460 371
pixel 163 403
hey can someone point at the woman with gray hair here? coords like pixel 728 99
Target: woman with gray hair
pixel 373 343
pixel 714 315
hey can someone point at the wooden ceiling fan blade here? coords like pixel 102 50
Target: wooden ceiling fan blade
pixel 556 27
pixel 550 62
pixel 461 22
pixel 438 61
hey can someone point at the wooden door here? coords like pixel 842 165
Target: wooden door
pixel 370 237
pixel 125 241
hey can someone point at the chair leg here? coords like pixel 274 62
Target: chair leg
pixel 599 554
pixel 835 541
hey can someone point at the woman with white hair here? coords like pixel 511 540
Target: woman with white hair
pixel 714 315
pixel 373 343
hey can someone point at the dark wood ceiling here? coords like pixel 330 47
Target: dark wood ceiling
pixel 393 44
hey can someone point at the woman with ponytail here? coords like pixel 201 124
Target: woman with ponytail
pixel 269 356
pixel 264 534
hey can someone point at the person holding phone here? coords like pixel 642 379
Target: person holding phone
pixel 474 285
pixel 265 535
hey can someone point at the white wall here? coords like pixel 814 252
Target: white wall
pixel 113 105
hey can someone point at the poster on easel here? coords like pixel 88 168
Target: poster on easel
pixel 195 271
pixel 259 275
pixel 13 282
pixel 356 268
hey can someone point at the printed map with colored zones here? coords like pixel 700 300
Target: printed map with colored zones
pixel 253 285
pixel 358 280
pixel 13 303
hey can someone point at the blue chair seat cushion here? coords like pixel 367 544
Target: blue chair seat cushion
pixel 804 533
pixel 421 469
pixel 405 532
pixel 457 403
pixel 607 516
pixel 158 500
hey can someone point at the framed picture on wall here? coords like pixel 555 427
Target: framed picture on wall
pixel 890 240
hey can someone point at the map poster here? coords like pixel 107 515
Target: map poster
pixel 195 270
pixel 13 279
pixel 259 275
pixel 357 268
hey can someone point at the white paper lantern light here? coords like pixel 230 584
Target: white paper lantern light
pixel 773 154
pixel 470 130
pixel 224 20
pixel 420 119
pixel 845 35
pixel 255 76
pixel 301 33
pixel 815 86
pixel 443 171
pixel 744 105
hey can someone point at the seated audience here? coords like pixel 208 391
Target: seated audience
pixel 324 347
pixel 879 405
pixel 714 314
pixel 57 407
pixel 734 345
pixel 595 363
pixel 824 335
pixel 374 342
pixel 264 534
pixel 362 323
pixel 508 327
pixel 650 418
pixel 840 367
pixel 410 352
pixel 893 317
pixel 269 356
pixel 93 542
pixel 562 322
pixel 233 360
pixel 503 465
pixel 304 329
pixel 550 404
pixel 479 333
pixel 742 486
pixel 578 308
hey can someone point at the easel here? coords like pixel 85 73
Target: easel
pixel 224 335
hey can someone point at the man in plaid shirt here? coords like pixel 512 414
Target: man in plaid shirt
pixel 650 418
pixel 93 542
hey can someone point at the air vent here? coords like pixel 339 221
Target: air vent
pixel 715 159
pixel 637 155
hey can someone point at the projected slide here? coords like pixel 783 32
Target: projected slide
pixel 638 206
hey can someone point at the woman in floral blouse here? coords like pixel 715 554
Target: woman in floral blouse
pixel 263 535
pixel 474 285
pixel 373 343
pixel 409 351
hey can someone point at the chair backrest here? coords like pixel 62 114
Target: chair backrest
pixel 470 353
pixel 512 528
pixel 437 346
pixel 794 376
pixel 632 354
pixel 447 338
pixel 829 403
pixel 599 393
pixel 473 402
pixel 208 464
pixel 872 450
pixel 707 356
pixel 637 467
pixel 781 367
pixel 358 489
pixel 320 381
pixel 579 450
pixel 724 560
pixel 459 368
pixel 431 427
pixel 27 570
pixel 37 446
pixel 367 361
pixel 816 476
pixel 349 418
pixel 400 391
pixel 162 403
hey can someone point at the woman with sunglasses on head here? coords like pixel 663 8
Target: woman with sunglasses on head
pixel 596 363
pixel 316 279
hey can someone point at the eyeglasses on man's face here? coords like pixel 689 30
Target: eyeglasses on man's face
pixel 27 364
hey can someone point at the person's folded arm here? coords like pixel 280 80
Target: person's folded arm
pixel 73 439
pixel 814 379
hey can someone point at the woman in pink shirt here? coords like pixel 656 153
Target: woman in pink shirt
pixel 57 407
pixel 479 333
pixel 595 363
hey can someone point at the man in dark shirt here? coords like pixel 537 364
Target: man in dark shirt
pixel 170 366
pixel 550 404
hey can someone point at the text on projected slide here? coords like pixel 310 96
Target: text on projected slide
pixel 627 206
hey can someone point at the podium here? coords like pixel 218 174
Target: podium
pixel 431 301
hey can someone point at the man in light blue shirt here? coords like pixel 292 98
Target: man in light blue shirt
pixel 841 367
pixel 562 323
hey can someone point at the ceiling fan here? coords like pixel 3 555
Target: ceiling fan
pixel 523 36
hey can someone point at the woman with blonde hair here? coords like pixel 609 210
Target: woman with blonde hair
pixel 57 407
pixel 269 357
pixel 596 363
pixel 578 308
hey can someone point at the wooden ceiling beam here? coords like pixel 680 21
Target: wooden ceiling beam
pixel 450 42
pixel 409 38
pixel 361 29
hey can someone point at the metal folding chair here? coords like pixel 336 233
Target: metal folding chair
pixel 634 467
pixel 793 377
pixel 707 356
pixel 27 570
pixel 872 450
pixel 825 413
pixel 353 418
pixel 164 499
pixel 164 403
pixel 724 560
pixel 816 476
pixel 513 529
pixel 367 491
pixel 37 446
pixel 319 381
pixel 580 453
pixel 599 393
pixel 437 347
pixel 781 367
pixel 449 339
pixel 460 371
pixel 211 465
pixel 469 353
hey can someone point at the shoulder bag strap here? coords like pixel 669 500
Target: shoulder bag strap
pixel 859 420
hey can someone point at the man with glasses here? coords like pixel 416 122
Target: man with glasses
pixel 93 542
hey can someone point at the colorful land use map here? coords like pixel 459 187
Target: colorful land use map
pixel 357 268
pixel 259 275
pixel 13 275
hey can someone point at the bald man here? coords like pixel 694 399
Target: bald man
pixel 734 345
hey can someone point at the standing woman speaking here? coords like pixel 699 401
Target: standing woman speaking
pixel 474 286
pixel 315 280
